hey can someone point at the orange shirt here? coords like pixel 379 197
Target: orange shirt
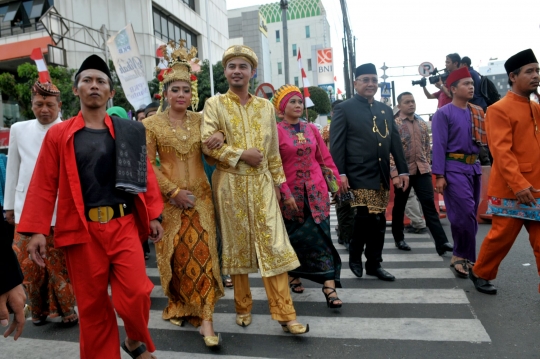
pixel 514 141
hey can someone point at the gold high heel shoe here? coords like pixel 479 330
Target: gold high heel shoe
pixel 295 328
pixel 212 341
pixel 243 320
pixel 177 321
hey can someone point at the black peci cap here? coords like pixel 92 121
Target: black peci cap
pixel 94 62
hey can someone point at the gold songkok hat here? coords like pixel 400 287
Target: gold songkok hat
pixel 242 51
pixel 179 60
pixel 283 95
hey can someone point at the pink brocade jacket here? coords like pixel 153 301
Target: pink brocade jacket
pixel 302 164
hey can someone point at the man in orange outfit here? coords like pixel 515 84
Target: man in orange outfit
pixel 514 140
pixel 108 201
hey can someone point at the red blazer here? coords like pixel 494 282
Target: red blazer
pixel 56 175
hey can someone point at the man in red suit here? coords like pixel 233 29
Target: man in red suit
pixel 108 201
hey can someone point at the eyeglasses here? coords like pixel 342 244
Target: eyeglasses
pixel 367 80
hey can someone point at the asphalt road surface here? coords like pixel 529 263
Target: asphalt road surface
pixel 426 313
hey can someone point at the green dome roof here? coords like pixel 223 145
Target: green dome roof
pixel 298 9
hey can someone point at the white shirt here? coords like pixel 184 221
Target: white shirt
pixel 25 139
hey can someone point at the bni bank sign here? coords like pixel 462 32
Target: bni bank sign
pixel 325 72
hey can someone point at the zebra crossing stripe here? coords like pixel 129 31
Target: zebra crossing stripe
pixel 361 296
pixel 400 273
pixel 422 329
pixel 24 346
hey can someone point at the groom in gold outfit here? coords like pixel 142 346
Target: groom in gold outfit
pixel 246 192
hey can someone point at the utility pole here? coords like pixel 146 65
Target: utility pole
pixel 349 45
pixel 284 5
pixel 209 55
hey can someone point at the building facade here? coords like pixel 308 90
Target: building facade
pixel 261 28
pixel 496 72
pixel 154 22
pixel 248 27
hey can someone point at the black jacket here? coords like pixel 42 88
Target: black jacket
pixel 359 152
pixel 10 272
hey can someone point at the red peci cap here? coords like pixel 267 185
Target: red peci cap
pixel 457 75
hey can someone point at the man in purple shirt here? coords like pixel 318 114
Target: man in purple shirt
pixel 457 133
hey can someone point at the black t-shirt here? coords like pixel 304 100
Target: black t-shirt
pixel 95 151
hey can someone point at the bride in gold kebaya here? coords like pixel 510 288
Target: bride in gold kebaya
pixel 187 256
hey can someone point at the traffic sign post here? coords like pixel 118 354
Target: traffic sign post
pixel 385 90
pixel 425 69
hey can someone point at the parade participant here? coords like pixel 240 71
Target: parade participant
pixel 187 256
pixel 49 289
pixel 151 109
pixel 305 203
pixel 458 132
pixel 148 111
pixel 416 146
pixel 514 182
pixel 246 192
pixel 118 112
pixel 363 136
pixel 11 289
pixel 139 114
pixel 108 201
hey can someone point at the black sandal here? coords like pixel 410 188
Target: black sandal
pixel 41 321
pixel 330 300
pixel 294 286
pixel 464 265
pixel 137 352
pixel 69 323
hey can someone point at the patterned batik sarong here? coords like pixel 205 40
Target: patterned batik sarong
pixel 506 207
pixel 49 290
pixel 319 259
pixel 376 200
pixel 192 296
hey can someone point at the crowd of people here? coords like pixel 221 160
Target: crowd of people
pixel 228 192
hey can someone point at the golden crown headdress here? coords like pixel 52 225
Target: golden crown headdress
pixel 179 60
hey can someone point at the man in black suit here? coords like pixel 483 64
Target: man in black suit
pixel 363 136
pixel 11 289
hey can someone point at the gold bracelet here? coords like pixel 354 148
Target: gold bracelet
pixel 175 193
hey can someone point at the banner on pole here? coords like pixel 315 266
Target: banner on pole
pixel 325 72
pixel 129 67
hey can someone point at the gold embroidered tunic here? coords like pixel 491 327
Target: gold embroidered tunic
pixel 252 228
pixel 181 167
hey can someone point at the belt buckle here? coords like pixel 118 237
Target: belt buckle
pixel 101 214
pixel 471 159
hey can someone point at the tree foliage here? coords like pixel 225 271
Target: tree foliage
pixel 220 82
pixel 320 99
pixel 18 88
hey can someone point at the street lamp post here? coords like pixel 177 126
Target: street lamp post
pixel 284 5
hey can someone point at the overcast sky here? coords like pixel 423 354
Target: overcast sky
pixel 403 33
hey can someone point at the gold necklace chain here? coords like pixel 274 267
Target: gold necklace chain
pixel 376 129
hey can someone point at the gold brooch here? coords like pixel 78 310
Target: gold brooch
pixel 301 138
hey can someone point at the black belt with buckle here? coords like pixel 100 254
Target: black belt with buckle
pixel 104 214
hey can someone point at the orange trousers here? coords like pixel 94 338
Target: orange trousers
pixel 497 244
pixel 114 255
pixel 277 290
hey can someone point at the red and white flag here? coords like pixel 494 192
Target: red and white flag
pixel 37 56
pixel 305 82
pixel 160 54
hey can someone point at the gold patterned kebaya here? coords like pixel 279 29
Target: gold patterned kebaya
pixel 252 229
pixel 187 255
